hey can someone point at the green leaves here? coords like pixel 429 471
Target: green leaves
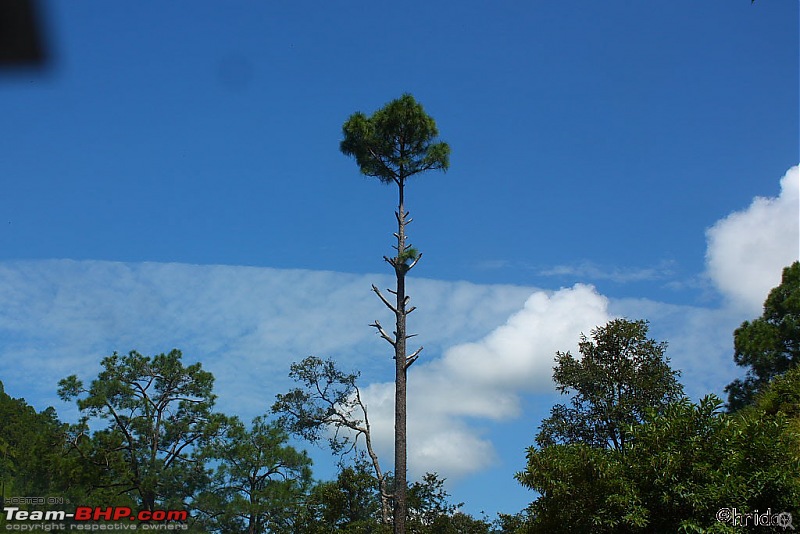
pixel 396 142
pixel 348 504
pixel 159 413
pixel 620 376
pixel 580 468
pixel 583 489
pixel 684 462
pixel 770 345
pixel 30 449
pixel 260 481
pixel 326 399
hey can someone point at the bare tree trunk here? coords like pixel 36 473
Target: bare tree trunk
pixel 400 444
pixel 400 454
pixel 405 254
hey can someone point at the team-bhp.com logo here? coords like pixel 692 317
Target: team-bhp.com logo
pixel 164 519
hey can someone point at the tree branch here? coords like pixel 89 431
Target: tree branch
pixel 413 263
pixel 383 299
pixel 411 359
pixel 386 167
pixel 383 333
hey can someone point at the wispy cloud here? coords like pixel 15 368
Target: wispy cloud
pixel 245 324
pixel 492 265
pixel 587 270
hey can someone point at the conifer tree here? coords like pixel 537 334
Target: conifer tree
pixel 397 142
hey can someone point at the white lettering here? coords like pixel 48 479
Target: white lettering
pixel 11 512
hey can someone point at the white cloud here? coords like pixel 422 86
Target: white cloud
pixel 519 354
pixel 748 249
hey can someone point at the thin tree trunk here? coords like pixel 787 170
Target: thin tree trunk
pixel 402 361
pixel 400 443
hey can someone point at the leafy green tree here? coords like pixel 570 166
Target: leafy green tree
pixel 93 463
pixel 460 523
pixel 770 345
pixel 428 501
pixel 159 413
pixel 620 376
pixel 782 396
pixel 260 482
pixel 348 504
pixel 511 523
pixel 431 512
pixel 329 400
pixel 397 142
pixel 583 488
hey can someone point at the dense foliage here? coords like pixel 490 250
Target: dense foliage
pixel 31 449
pixel 770 345
pixel 620 375
pixel 396 142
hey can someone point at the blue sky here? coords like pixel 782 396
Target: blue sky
pixel 173 179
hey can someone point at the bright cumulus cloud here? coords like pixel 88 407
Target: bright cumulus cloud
pixel 748 249
pixel 485 379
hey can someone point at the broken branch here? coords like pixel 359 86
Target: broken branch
pixel 411 359
pixel 383 299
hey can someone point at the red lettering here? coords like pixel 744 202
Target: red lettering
pixel 106 514
pixel 121 512
pixel 178 515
